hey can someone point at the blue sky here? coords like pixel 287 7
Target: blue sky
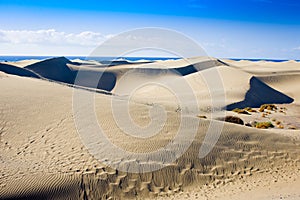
pixel 232 28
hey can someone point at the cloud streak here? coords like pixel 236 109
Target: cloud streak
pixel 296 49
pixel 51 37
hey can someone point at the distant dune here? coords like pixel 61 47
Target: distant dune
pixel 55 69
pixel 10 69
pixel 63 70
pixel 44 157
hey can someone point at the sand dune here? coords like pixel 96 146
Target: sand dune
pixel 55 69
pixel 43 156
pixel 63 70
pixel 244 90
pixel 289 83
pixel 2 74
pixel 10 69
pixel 259 94
pixel 22 63
pixel 266 67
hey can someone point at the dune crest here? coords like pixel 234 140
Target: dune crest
pixel 55 69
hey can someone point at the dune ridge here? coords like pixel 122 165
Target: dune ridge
pixel 13 70
pixel 55 69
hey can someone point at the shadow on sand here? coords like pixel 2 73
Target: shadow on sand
pixel 258 94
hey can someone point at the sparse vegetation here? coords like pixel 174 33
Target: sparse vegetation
pixel 240 111
pixel 267 107
pixel 281 111
pixel 283 108
pixel 249 109
pixel 264 125
pixel 244 110
pixel 280 126
pixel 235 120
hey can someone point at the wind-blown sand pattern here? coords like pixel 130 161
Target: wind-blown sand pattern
pixel 42 155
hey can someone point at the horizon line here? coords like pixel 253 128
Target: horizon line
pixel 82 56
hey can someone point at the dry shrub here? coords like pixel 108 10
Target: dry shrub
pixel 267 107
pixel 235 120
pixel 264 125
pixel 249 109
pixel 240 111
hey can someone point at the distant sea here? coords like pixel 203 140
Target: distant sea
pixel 260 59
pixel 18 58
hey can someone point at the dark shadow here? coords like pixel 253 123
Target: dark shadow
pixel 186 70
pixel 193 68
pixel 123 62
pixel 55 69
pixel 258 94
pixel 222 62
pixel 10 69
pixel 96 80
pixel 107 81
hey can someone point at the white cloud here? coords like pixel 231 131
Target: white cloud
pixel 296 49
pixel 51 37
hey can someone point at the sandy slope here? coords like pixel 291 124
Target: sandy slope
pixel 43 156
pixel 289 83
pixel 281 182
pixel 282 76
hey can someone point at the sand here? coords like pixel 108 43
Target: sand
pixel 44 156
